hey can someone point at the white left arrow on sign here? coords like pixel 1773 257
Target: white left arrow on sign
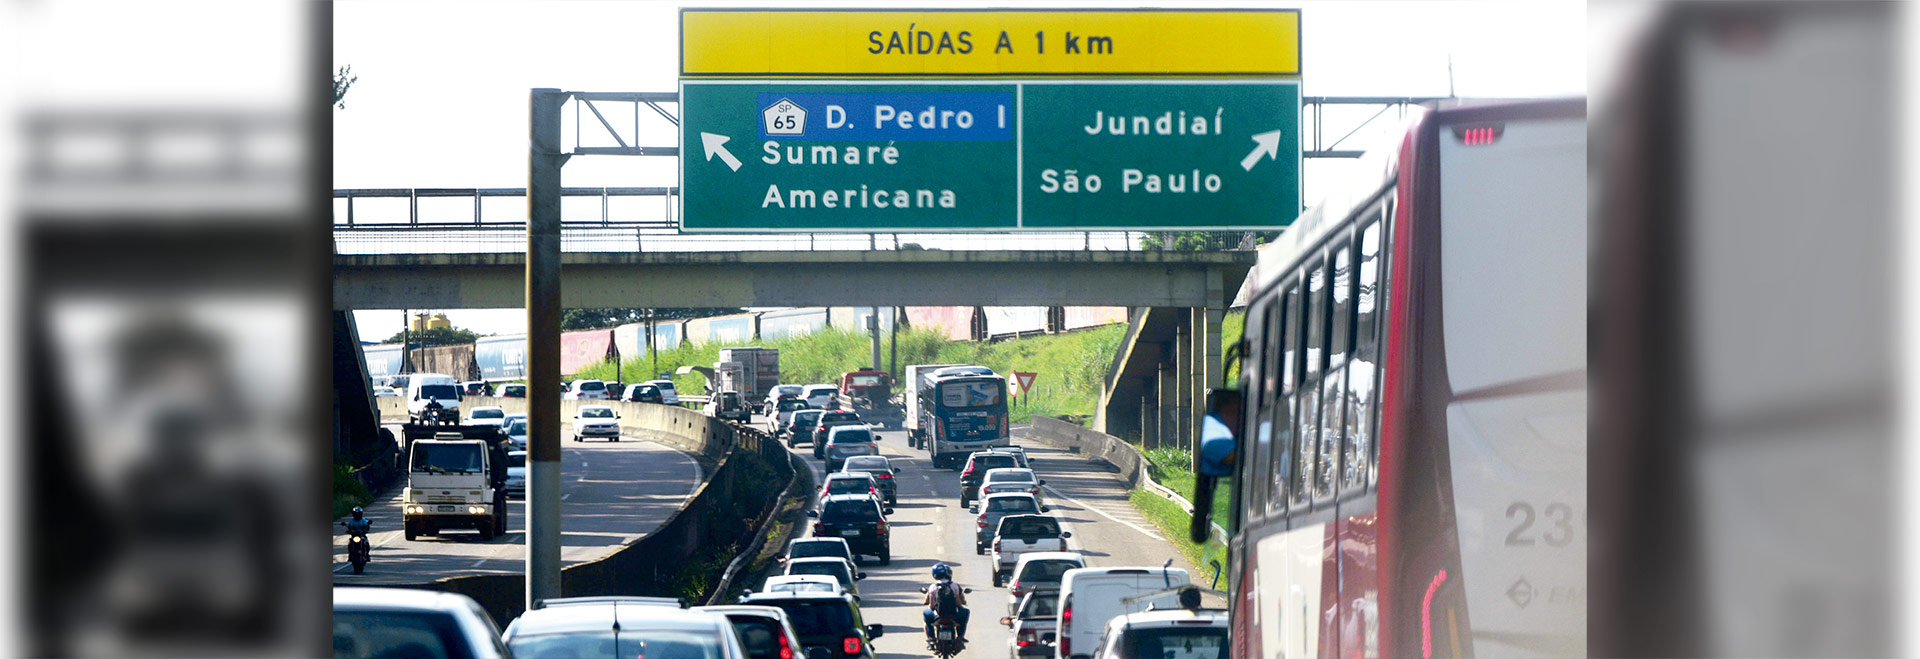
pixel 717 144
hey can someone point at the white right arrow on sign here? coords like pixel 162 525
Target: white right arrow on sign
pixel 717 144
pixel 1265 144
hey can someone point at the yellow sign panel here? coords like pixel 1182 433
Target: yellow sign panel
pixel 932 43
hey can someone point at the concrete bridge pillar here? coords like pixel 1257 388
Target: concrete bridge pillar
pixel 1166 405
pixel 1183 363
pixel 1148 416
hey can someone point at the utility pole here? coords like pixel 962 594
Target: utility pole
pixel 893 343
pixel 544 160
pixel 873 328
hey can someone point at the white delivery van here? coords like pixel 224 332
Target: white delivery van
pixel 1091 596
pixel 422 387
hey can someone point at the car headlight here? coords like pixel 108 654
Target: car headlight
pixel 477 510
pixel 415 509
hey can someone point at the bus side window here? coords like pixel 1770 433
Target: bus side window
pixel 1273 411
pixel 1313 351
pixel 1362 368
pixel 1259 396
pixel 1333 391
pixel 1284 412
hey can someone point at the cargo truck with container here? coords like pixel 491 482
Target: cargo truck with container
pixel 748 371
pixel 456 482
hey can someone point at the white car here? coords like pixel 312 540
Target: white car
pixel 379 622
pixel 1166 634
pixel 587 390
pixel 386 392
pixel 817 395
pixel 517 473
pixel 802 583
pixel 668 396
pixel 487 415
pixel 1011 480
pixel 1091 596
pixel 596 421
pixel 777 392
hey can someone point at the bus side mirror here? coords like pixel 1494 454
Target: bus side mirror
pixel 1216 457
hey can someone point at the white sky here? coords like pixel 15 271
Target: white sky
pixel 442 93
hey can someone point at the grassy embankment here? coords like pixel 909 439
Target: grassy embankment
pixel 1070 366
pixel 1172 468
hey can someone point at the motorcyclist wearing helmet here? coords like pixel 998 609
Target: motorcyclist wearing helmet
pixel 943 582
pixel 359 524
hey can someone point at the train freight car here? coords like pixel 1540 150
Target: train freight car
pixel 584 348
pixel 790 323
pixel 501 357
pixel 1085 317
pixel 382 360
pixel 1003 322
pixel 454 360
pixel 957 323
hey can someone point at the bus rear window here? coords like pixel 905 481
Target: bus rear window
pixel 969 394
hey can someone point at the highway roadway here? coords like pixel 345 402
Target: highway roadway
pixel 614 493
pixel 929 526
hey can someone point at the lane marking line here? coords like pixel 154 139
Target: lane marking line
pixel 1102 513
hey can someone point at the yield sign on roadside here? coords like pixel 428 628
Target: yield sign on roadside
pixel 1023 382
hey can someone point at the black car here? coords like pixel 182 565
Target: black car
pixel 977 466
pixel 859 519
pixel 801 426
pixel 645 393
pixel 824 621
pixel 824 427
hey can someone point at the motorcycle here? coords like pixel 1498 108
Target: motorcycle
pixel 358 550
pixel 947 642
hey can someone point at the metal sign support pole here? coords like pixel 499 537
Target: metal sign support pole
pixel 544 160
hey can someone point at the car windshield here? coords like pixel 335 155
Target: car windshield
pixel 729 398
pixel 1041 526
pixel 805 418
pixel 596 413
pixel 396 633
pixel 652 644
pixel 866 380
pixel 1047 571
pixel 803 587
pixel 984 462
pixel 787 390
pixel 440 391
pixel 1174 643
pixel 824 391
pixel 810 549
pixel 822 568
pixel 515 388
pixel 1009 476
pixel 516 427
pixel 484 413
pixel 818 618
pixel 867 464
pixel 663 385
pixel 446 458
pixel 838 417
pixel 848 486
pixel 1011 505
pixel 791 404
pixel 517 459
pixel 1040 605
pixel 760 636
pixel 856 509
pixel 853 436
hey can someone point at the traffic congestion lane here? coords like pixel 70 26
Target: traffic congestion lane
pixel 929 526
pixel 612 493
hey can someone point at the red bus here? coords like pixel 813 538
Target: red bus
pixel 1409 440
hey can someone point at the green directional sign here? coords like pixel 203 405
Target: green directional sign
pixel 761 156
pixel 1159 156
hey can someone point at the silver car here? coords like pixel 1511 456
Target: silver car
pixel 621 627
pixel 386 622
pixel 848 441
